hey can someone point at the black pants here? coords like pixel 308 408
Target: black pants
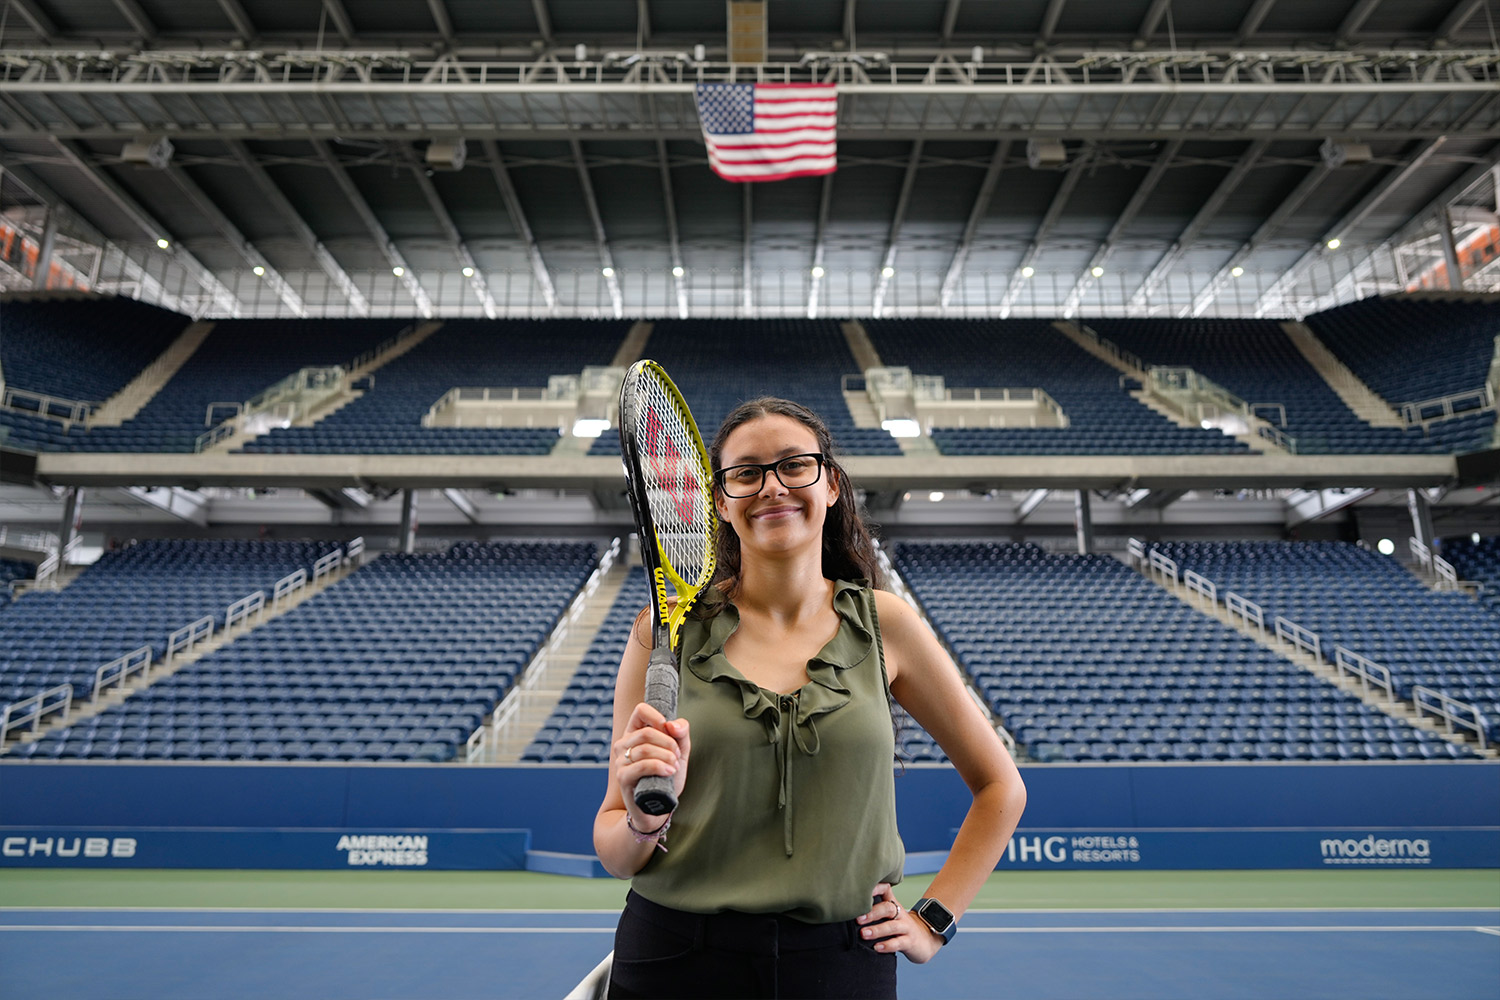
pixel 661 952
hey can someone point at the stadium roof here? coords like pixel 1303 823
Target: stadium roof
pixel 1195 179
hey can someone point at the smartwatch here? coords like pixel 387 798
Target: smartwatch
pixel 938 917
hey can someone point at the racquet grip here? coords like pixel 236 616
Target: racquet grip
pixel 654 794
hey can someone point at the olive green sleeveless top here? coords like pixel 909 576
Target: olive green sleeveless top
pixel 790 801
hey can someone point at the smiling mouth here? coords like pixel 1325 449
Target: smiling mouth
pixel 774 512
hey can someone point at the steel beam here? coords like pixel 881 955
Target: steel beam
pixel 543 21
pixel 455 239
pixel 825 200
pixel 849 25
pixel 1070 181
pixel 1030 503
pixel 669 200
pixel 976 216
pixel 372 224
pixel 235 11
pixel 137 17
pixel 34 16
pixel 461 502
pixel 898 216
pixel 152 229
pixel 206 207
pixel 1152 20
pixel 950 20
pixel 1461 12
pixel 1309 505
pixel 442 20
pixel 1267 229
pixel 1153 499
pixel 1127 216
pixel 304 233
pixel 1355 19
pixel 643 23
pixel 606 260
pixel 340 18
pixel 1201 219
pixel 518 219
pixel 1049 20
pixel 1253 18
pixel 1275 296
pixel 185 505
pixel 341 499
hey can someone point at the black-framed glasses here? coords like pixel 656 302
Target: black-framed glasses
pixel 795 472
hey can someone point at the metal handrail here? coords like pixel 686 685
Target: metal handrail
pixel 1247 611
pixel 1369 672
pixel 208 412
pixel 327 564
pixel 243 609
pixel 1201 586
pixel 1306 639
pixel 32 710
pixel 184 639
pixel 1415 414
pixel 74 411
pixel 1136 549
pixel 1163 565
pixel 354 551
pixel 1127 358
pixel 287 586
pixel 380 348
pixel 1420 551
pixel 115 671
pixel 1452 711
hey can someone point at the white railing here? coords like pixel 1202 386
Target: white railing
pixel 184 639
pixel 1278 437
pixel 1248 612
pixel 1370 673
pixel 327 564
pixel 69 411
pixel 1162 566
pixel 354 552
pixel 287 586
pixel 1458 404
pixel 325 380
pixel 1452 711
pixel 1135 548
pixel 241 611
pixel 1289 632
pixel 1208 400
pixel 1201 586
pixel 1421 553
pixel 381 348
pixel 115 671
pixel 30 711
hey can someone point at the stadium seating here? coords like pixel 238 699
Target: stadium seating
pixel 41 342
pixel 1103 419
pixel 12 569
pixel 1257 361
pixel 238 360
pixel 718 364
pixel 1086 660
pixel 131 598
pixel 1367 603
pixel 578 731
pixel 1479 562
pixel 387 419
pixel 1379 338
pixel 399 661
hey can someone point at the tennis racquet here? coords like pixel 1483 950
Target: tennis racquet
pixel 670 483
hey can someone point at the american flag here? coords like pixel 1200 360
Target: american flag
pixel 769 131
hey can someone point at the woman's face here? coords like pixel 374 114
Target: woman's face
pixel 775 518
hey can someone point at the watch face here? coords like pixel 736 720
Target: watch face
pixel 937 916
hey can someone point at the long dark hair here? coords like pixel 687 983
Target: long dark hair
pixel 848 550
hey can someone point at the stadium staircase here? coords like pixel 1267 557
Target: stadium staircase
pixel 632 347
pixel 274 608
pixel 1133 367
pixel 1360 398
pixel 540 687
pixel 1202 596
pixel 139 391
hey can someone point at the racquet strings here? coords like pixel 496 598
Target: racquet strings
pixel 673 470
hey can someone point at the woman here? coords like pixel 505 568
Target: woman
pixel 783 848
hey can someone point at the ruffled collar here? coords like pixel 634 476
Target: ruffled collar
pixel 823 693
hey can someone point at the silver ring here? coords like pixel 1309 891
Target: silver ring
pixel 898 907
pixel 627 754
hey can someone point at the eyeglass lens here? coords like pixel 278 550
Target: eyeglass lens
pixel 795 472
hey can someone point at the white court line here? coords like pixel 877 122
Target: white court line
pixel 314 929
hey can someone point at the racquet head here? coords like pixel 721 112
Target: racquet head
pixel 670 483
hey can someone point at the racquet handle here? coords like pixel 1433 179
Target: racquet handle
pixel 654 794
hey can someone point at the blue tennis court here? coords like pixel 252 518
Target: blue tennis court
pixel 238 954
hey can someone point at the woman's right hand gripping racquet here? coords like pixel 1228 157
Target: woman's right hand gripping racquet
pixel 670 482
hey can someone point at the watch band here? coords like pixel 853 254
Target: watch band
pixel 938 917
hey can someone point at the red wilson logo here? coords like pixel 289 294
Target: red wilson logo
pixel 672 471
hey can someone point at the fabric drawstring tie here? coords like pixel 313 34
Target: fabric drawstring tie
pixel 783 729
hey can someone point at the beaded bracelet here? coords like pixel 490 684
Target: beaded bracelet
pixel 659 835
